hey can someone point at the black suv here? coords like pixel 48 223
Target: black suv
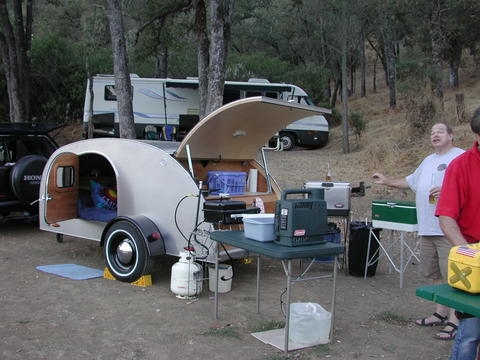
pixel 24 150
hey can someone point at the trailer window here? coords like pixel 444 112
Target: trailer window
pixel 65 176
pixel 252 93
pixel 273 95
pixel 109 93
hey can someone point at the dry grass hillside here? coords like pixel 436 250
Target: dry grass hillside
pixel 386 145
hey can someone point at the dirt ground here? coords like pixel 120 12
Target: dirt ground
pixel 48 317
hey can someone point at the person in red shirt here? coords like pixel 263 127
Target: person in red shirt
pixel 458 210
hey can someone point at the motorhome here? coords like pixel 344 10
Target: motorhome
pixel 168 108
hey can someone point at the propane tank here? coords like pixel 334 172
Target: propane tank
pixel 187 276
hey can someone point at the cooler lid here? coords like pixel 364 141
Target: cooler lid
pixel 237 130
pixel 394 203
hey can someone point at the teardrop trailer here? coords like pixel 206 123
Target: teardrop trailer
pixel 141 199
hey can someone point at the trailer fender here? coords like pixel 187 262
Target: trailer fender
pixel 129 243
pixel 151 234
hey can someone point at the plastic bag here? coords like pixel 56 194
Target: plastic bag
pixel 310 324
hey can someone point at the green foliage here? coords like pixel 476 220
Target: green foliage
pixel 269 325
pixel 392 318
pixel 357 123
pixel 413 70
pixel 421 114
pixel 311 78
pixel 59 79
pixel 335 119
pixel 256 65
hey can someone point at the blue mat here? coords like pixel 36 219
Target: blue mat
pixel 71 271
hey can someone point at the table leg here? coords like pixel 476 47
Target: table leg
pixel 287 310
pixel 258 283
pixel 215 311
pixel 334 291
pixel 402 267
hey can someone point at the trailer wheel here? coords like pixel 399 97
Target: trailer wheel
pixel 125 252
pixel 288 141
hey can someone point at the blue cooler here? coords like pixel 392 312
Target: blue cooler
pixel 333 236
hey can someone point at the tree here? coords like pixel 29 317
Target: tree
pixel 123 85
pixel 212 64
pixel 436 7
pixel 460 31
pixel 15 47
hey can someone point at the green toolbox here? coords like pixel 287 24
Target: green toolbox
pixel 394 215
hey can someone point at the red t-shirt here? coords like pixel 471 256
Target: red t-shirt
pixel 460 195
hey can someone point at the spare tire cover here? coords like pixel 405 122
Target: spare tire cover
pixel 25 178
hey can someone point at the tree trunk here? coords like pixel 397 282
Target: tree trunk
pixel 460 106
pixel 15 43
pixel 363 67
pixel 345 127
pixel 202 54
pixel 453 66
pixel 90 108
pixel 436 43
pixel 161 63
pixel 391 73
pixel 123 86
pixel 220 20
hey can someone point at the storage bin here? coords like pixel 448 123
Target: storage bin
pixel 394 215
pixel 259 227
pixel 464 268
pixel 227 182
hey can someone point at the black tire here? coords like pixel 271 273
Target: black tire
pixel 288 141
pixel 25 178
pixel 125 252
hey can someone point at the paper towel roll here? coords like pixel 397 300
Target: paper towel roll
pixel 252 180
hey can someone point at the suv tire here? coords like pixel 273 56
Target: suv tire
pixel 25 178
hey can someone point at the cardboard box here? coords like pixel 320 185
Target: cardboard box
pixel 336 195
pixel 394 215
pixel 464 268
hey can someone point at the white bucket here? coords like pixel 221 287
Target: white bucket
pixel 309 324
pixel 225 274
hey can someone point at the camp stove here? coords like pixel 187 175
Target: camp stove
pixel 336 194
pixel 224 211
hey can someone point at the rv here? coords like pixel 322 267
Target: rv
pixel 167 109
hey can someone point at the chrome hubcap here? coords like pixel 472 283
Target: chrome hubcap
pixel 125 252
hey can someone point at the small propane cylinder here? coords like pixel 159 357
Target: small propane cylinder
pixel 187 276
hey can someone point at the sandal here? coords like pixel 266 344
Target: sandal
pixel 441 320
pixel 450 333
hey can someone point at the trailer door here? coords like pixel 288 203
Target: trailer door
pixel 62 188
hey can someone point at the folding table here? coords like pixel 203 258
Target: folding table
pixel 404 259
pixel 284 253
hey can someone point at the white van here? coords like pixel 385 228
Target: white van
pixel 168 108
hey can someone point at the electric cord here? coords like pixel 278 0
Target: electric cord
pixel 175 216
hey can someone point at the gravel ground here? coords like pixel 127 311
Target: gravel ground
pixel 47 317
